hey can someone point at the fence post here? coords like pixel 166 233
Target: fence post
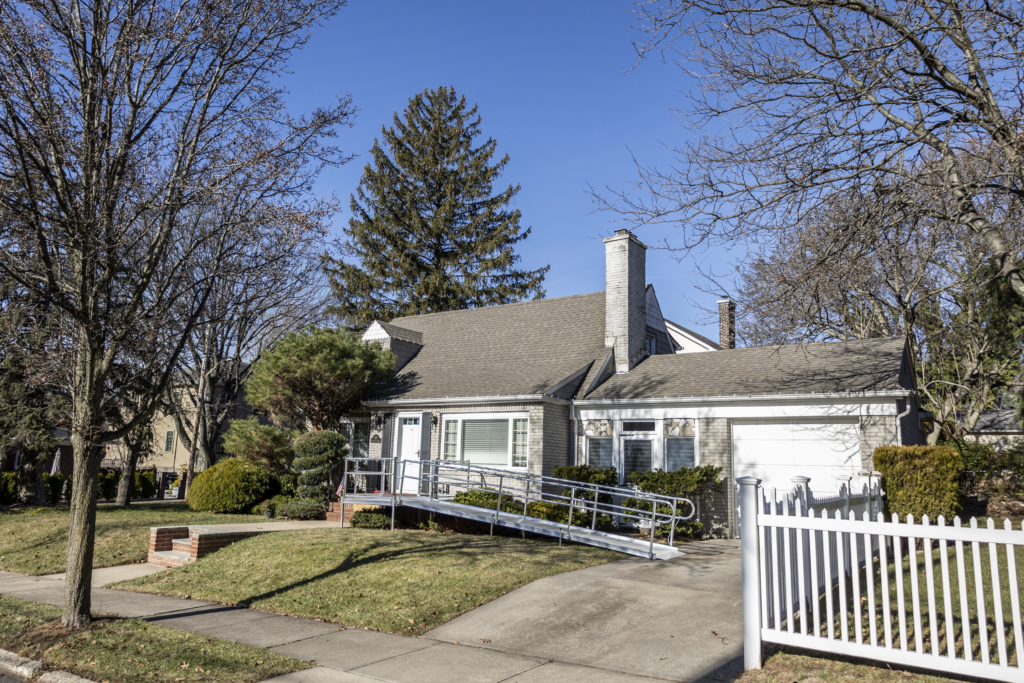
pixel 749 538
pixel 802 487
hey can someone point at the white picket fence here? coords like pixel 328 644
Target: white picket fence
pixel 827 577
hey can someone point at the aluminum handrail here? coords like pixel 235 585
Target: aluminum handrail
pixel 463 475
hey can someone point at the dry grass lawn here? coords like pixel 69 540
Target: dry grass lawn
pixel 404 582
pixel 128 650
pixel 35 540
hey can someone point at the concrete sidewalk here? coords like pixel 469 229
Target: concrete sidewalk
pixel 342 655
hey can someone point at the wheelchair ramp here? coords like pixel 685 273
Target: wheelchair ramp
pixel 437 482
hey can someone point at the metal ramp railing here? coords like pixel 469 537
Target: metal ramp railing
pixel 432 484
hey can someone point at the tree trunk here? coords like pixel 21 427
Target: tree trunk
pixel 81 534
pixel 30 478
pixel 124 486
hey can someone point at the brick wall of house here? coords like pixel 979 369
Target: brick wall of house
pixel 875 431
pixel 715 437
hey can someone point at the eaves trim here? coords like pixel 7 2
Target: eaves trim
pixel 461 400
pixel 749 398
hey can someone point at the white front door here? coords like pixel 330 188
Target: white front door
pixel 408 449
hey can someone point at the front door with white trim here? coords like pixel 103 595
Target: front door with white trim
pixel 408 449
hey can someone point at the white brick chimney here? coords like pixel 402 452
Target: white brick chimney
pixel 625 298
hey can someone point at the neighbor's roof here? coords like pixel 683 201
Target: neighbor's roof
pixel 516 349
pixel 867 365
pixel 998 422
pixel 695 335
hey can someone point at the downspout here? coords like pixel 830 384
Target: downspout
pixel 575 431
pixel 899 419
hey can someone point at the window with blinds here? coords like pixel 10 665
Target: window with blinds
pixel 169 441
pixel 488 439
pixel 485 442
pixel 679 454
pixel 599 452
pixel 636 456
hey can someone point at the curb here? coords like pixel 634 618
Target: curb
pixel 18 666
pixel 11 663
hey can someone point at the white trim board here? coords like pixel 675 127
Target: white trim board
pixel 754 412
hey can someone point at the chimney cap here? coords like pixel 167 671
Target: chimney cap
pixel 726 300
pixel 623 233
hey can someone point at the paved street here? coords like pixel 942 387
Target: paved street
pixel 626 621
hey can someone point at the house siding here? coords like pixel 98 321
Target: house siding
pixel 875 431
pixel 715 435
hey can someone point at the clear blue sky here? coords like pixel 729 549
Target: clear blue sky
pixel 555 90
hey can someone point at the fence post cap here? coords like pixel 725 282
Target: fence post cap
pixel 748 481
pixel 843 477
pixel 800 480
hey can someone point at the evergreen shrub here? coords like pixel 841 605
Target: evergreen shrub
pixel 921 480
pixel 488 500
pixel 145 485
pixel 317 456
pixel 54 484
pixel 369 519
pixel 107 483
pixel 301 508
pixel 694 483
pixel 8 488
pixel 231 485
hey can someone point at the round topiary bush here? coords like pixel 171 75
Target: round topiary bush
pixel 317 456
pixel 231 485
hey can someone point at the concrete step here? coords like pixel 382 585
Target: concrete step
pixel 182 545
pixel 170 558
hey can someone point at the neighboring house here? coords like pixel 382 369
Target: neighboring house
pixel 997 428
pixel 685 340
pixel 596 378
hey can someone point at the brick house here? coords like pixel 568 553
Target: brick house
pixel 603 379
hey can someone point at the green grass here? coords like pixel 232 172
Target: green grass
pixel 925 626
pixel 788 665
pixel 127 650
pixel 403 582
pixel 35 541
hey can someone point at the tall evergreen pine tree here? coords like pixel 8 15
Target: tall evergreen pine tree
pixel 426 233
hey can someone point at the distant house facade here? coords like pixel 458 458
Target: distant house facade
pixel 997 428
pixel 604 379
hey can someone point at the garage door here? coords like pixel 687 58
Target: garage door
pixel 774 451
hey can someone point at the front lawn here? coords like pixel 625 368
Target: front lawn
pixel 127 650
pixel 35 540
pixel 403 582
pixel 787 665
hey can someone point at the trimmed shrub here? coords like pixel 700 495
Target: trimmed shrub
pixel 317 456
pixel 301 508
pixel 369 519
pixel 695 483
pixel 107 483
pixel 232 485
pixel 271 504
pixel 54 484
pixel 921 480
pixel 289 485
pixel 588 474
pixel 488 500
pixel 145 484
pixel 8 488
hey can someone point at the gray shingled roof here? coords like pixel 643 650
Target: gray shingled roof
pixel 515 349
pixel 687 330
pixel 998 422
pixel 865 365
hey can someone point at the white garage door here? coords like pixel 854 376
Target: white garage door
pixel 774 451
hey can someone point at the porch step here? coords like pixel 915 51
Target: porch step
pixel 169 558
pixel 182 545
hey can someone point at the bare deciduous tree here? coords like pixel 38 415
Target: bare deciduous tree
pixel 871 264
pixel 137 139
pixel 800 98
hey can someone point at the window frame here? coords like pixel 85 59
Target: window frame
pixel 509 417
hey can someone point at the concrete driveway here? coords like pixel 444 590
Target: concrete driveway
pixel 679 619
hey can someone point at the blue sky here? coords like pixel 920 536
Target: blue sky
pixel 555 90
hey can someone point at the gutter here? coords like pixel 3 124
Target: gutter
pixel 460 400
pixel 766 398
pixel 899 427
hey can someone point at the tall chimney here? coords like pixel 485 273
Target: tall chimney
pixel 625 298
pixel 726 324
